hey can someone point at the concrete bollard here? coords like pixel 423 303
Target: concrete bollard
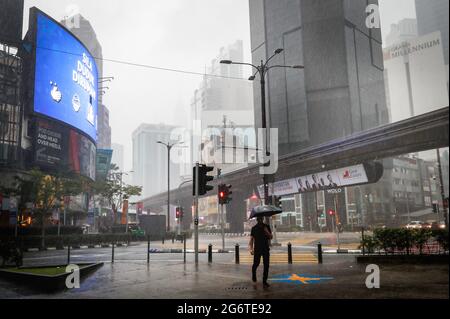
pixel 148 249
pixel 209 253
pixel 236 250
pixel 289 246
pixel 112 253
pixel 184 246
pixel 319 252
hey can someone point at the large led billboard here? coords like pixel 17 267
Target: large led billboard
pixel 58 146
pixel 65 76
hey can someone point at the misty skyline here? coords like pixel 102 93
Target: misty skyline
pixel 177 34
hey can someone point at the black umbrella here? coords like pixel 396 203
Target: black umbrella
pixel 265 211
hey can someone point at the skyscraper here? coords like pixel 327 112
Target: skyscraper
pixel 341 89
pixel 150 159
pixel 405 29
pixel 83 29
pixel 118 155
pixel 222 101
pixel 432 16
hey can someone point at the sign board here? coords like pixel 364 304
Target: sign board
pixel 103 163
pixel 65 85
pixel 326 180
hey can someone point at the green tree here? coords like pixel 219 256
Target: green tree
pixel 114 190
pixel 46 192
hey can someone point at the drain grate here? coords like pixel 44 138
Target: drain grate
pixel 237 288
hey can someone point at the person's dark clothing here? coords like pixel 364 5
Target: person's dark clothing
pixel 261 249
pixel 260 237
pixel 257 259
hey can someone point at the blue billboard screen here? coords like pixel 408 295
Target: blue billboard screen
pixel 66 78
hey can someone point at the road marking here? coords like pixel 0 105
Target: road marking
pixel 282 259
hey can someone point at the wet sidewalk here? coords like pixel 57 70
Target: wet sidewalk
pixel 339 277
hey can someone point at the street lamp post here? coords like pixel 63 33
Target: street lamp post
pixel 262 69
pixel 441 182
pixel 169 147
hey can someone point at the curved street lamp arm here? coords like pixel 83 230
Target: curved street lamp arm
pixel 243 63
pixel 267 61
pixel 285 66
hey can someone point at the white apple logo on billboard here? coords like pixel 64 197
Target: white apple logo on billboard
pixel 55 93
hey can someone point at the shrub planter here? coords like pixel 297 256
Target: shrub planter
pixel 45 282
pixel 403 259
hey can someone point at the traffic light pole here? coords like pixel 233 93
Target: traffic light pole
pixel 441 181
pixel 274 224
pixel 196 213
pixel 223 226
pixel 337 228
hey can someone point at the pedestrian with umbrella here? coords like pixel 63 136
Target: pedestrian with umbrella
pixel 260 237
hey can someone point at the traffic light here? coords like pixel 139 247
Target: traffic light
pixel 179 212
pixel 228 192
pixel 277 201
pixel 224 193
pixel 330 212
pixel 203 179
pixel 221 194
pixel 435 208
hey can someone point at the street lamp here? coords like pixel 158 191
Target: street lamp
pixel 262 69
pixel 169 147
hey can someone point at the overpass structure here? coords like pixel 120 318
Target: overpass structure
pixel 419 133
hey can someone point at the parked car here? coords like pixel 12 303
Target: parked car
pixel 415 225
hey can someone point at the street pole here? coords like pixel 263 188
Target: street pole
pixel 264 127
pixel 196 214
pixel 223 227
pixel 274 223
pixel 168 186
pixel 441 181
pixel 407 206
pixel 335 216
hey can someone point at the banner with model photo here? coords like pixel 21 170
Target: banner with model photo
pixel 331 179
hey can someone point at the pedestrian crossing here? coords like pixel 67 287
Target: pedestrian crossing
pixel 282 258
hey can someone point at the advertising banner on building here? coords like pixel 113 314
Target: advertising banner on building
pixel 319 181
pixel 82 154
pixel 123 219
pixel 50 144
pixel 57 146
pixel 65 85
pixel 103 163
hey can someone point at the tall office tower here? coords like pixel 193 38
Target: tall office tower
pixel 118 155
pixel 150 159
pixel 404 30
pixel 223 103
pixel 340 91
pixel 432 16
pixel 82 28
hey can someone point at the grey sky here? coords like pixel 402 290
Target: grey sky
pixel 179 34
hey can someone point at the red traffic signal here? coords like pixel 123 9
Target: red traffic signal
pixel 330 212
pixel 179 212
pixel 224 193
